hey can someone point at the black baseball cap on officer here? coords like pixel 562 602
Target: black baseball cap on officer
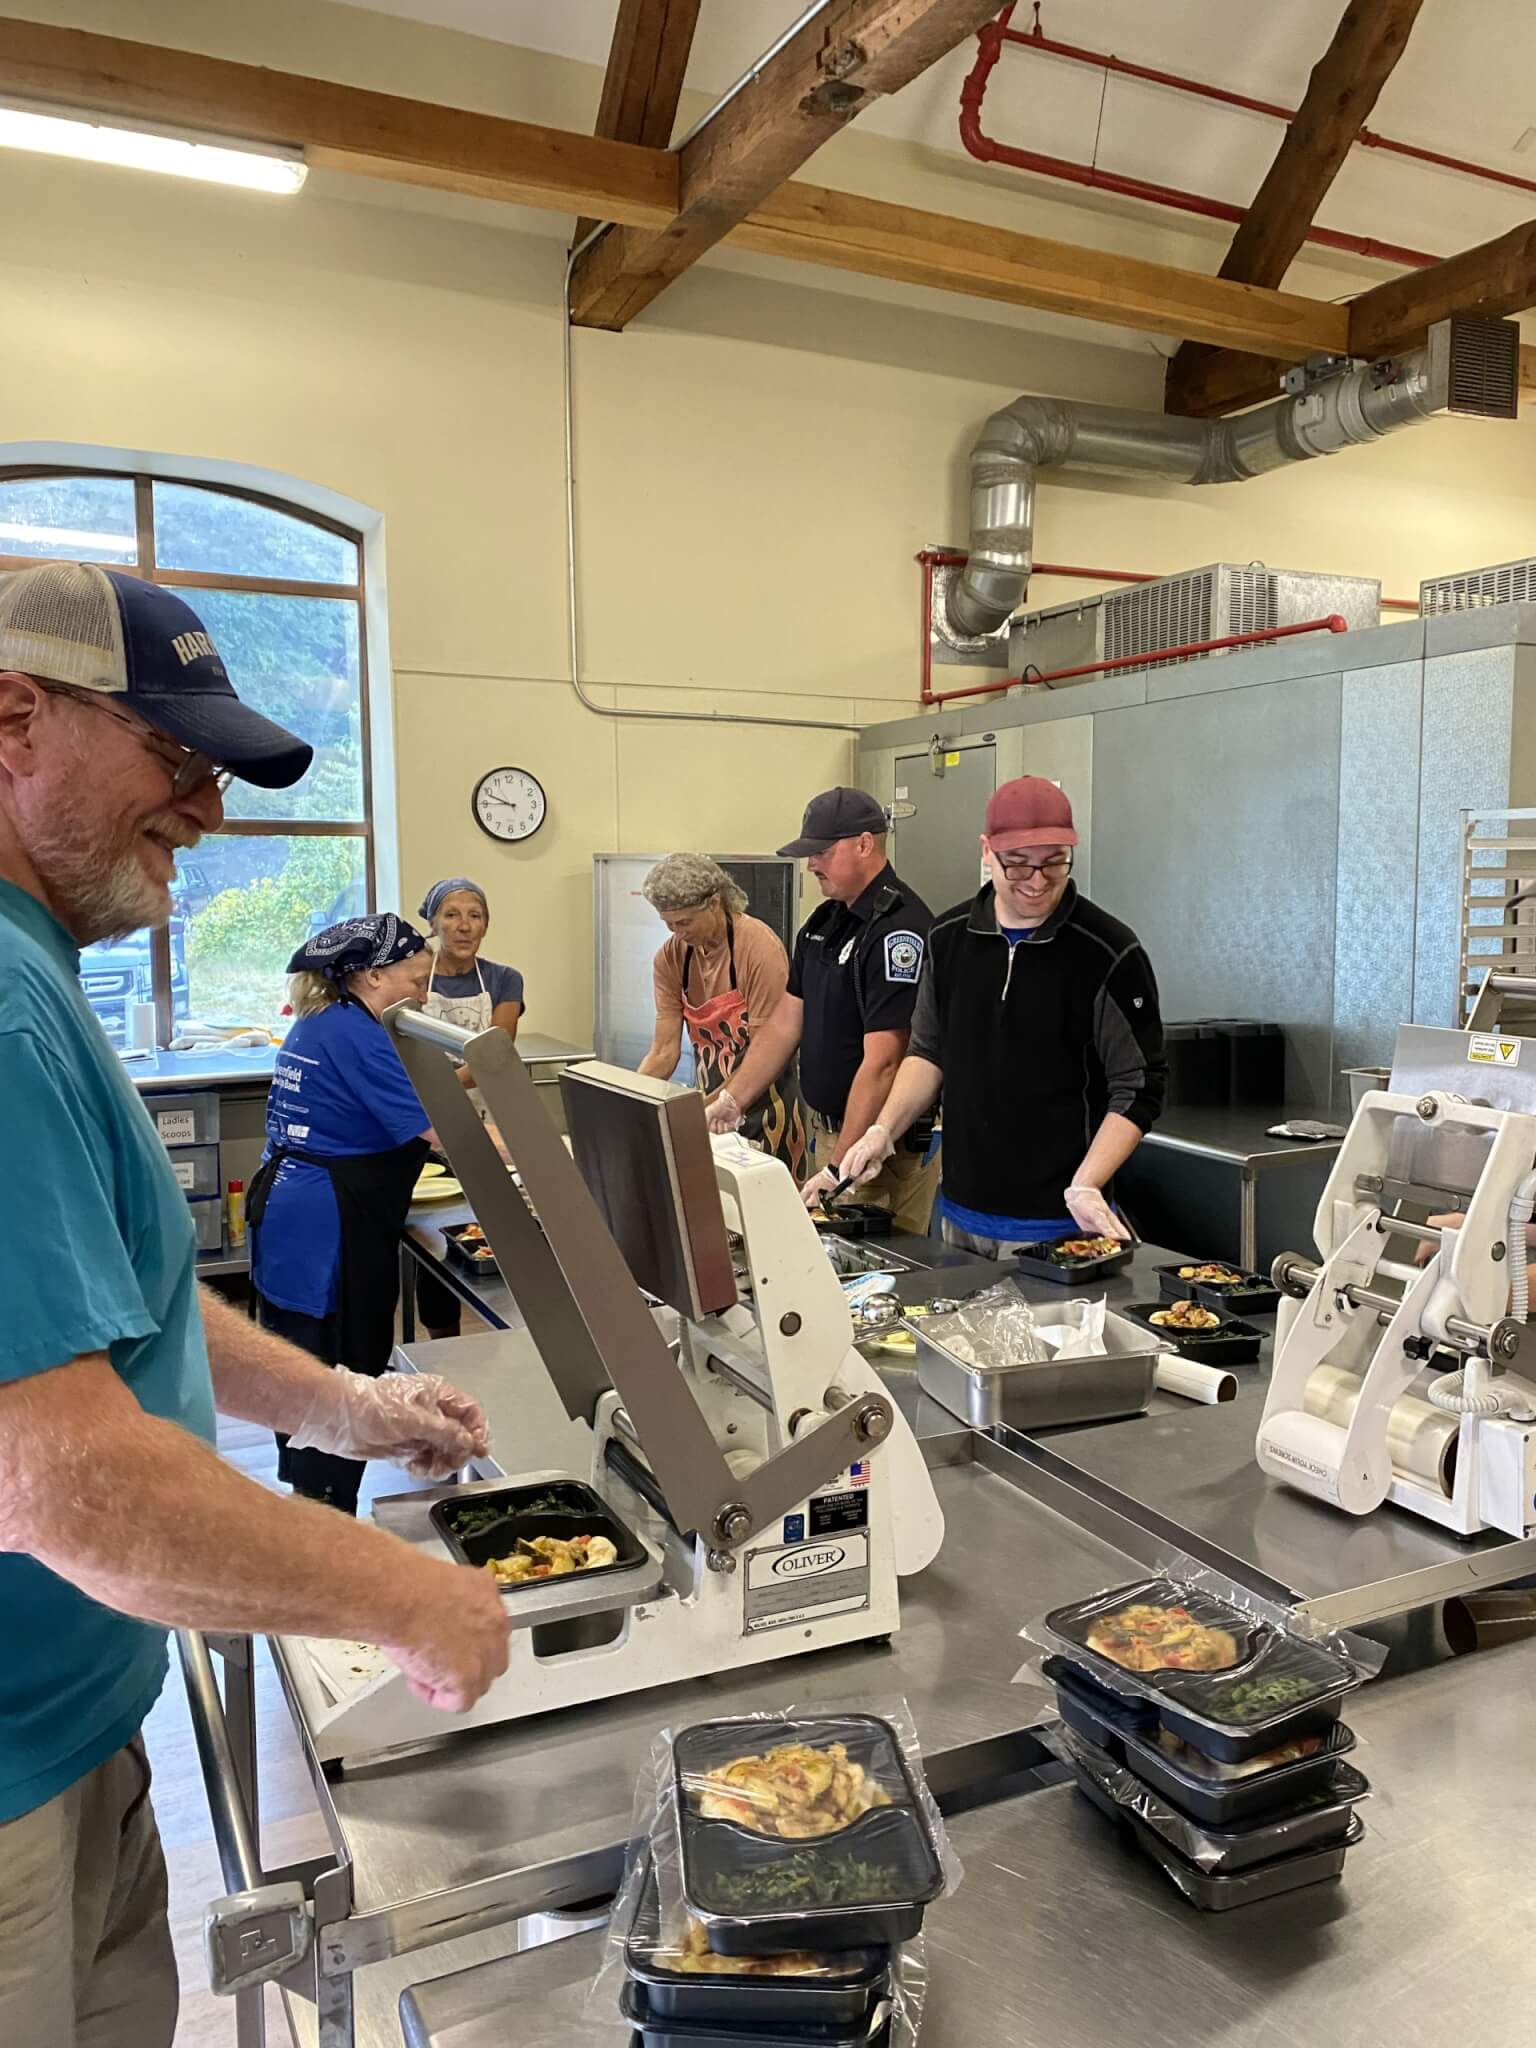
pixel 835 814
pixel 106 633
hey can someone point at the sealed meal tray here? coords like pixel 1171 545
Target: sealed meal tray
pixel 656 2030
pixel 805 1833
pixel 1073 1259
pixel 1219 1285
pixel 1216 1892
pixel 1225 1679
pixel 1235 1795
pixel 1322 1817
pixel 534 1534
pixel 465 1246
pixel 1199 1332
pixel 1093 1710
pixel 688 1981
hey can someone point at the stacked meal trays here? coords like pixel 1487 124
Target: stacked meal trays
pixel 780 1895
pixel 1213 1733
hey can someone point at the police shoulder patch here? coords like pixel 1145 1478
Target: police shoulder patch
pixel 903 956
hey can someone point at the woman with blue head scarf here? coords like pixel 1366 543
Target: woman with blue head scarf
pixel 346 1138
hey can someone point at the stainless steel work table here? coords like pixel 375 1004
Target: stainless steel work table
pixel 1215 1178
pixel 1063 1937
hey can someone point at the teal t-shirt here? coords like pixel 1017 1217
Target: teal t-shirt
pixel 96 1254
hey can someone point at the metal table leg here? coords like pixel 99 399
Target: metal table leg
pixel 1248 1221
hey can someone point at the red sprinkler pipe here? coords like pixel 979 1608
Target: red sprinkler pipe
pixel 1367 138
pixel 987 149
pixel 1332 624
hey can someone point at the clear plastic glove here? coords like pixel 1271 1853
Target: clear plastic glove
pixel 723 1114
pixel 413 1419
pixel 820 1184
pixel 1093 1215
pixel 865 1156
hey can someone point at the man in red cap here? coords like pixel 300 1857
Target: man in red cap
pixel 1037 1016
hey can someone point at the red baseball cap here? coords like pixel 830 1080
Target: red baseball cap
pixel 1029 811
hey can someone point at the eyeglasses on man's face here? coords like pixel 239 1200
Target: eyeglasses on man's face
pixel 1018 867
pixel 189 767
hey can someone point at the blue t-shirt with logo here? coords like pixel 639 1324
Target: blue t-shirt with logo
pixel 338 1090
pixel 97 1254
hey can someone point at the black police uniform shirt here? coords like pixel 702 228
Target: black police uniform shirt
pixel 856 968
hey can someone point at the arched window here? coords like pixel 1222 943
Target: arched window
pixel 281 592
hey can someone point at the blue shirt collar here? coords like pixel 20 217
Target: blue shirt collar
pixel 39 922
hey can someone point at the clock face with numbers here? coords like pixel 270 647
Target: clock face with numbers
pixel 509 804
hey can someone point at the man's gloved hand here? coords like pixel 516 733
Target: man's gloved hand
pixel 820 1184
pixel 723 1114
pixel 865 1156
pixel 413 1419
pixel 1093 1215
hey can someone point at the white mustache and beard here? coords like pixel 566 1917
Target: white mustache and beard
pixel 101 889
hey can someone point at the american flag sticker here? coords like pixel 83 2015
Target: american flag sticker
pixel 858 1475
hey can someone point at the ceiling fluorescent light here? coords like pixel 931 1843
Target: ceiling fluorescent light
pixel 176 154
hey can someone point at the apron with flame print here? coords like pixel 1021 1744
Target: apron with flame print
pixel 720 1031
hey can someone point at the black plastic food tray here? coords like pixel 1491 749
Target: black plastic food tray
pixel 1253 1296
pixel 857 1219
pixel 1193 1703
pixel 657 2030
pixel 1046 1264
pixel 844 1995
pixel 1233 1343
pixel 465 1256
pixel 1215 1892
pixel 892 1841
pixel 573 1509
pixel 1322 1818
pixel 1092 1709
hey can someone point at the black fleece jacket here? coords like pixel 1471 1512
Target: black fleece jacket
pixel 1038 1041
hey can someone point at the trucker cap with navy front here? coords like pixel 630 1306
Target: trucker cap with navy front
pixel 835 814
pixel 103 630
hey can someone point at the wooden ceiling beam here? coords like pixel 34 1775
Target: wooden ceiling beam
pixel 1497 278
pixel 1231 381
pixel 811 225
pixel 1343 88
pixel 854 52
pixel 342 127
pixel 647 62
pixel 422 143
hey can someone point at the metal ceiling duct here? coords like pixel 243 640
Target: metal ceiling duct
pixel 1348 409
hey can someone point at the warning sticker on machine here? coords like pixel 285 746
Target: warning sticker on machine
pixel 1493 1052
pixel 795 1582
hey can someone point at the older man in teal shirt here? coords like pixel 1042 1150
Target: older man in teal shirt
pixel 118 730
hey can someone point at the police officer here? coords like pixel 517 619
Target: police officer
pixel 848 1008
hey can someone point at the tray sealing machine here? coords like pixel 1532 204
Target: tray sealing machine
pixel 1363 1407
pixel 779 1493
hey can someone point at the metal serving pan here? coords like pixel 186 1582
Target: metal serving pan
pixel 1046 1395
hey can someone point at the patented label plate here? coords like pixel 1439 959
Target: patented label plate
pixel 788 1583
pixel 1494 1051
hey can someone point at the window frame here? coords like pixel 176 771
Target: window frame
pixel 146 566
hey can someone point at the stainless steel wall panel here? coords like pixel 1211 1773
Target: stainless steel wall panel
pixel 1216 838
pixel 1379 739
pixel 1464 762
pixel 1496 625
pixel 1062 750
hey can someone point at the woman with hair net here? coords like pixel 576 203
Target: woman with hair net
pixel 721 973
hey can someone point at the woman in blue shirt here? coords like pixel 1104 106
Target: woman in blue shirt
pixel 346 1137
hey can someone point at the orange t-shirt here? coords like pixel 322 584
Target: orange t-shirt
pixel 762 972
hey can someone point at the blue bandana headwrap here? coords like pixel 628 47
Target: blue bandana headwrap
pixel 343 949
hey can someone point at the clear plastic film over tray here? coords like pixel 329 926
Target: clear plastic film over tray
pixel 998 1327
pixel 821 1919
pixel 1325 1816
pixel 1229 1671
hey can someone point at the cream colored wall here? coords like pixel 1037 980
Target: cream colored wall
pixel 758 459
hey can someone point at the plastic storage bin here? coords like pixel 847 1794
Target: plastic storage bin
pixel 208 1222
pixel 196 1168
pixel 185 1119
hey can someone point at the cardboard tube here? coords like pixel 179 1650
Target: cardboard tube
pixel 1208 1383
pixel 1421 1438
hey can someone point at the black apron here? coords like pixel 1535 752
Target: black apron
pixel 373 1193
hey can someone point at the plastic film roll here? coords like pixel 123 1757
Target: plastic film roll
pixel 1421 1438
pixel 1208 1383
